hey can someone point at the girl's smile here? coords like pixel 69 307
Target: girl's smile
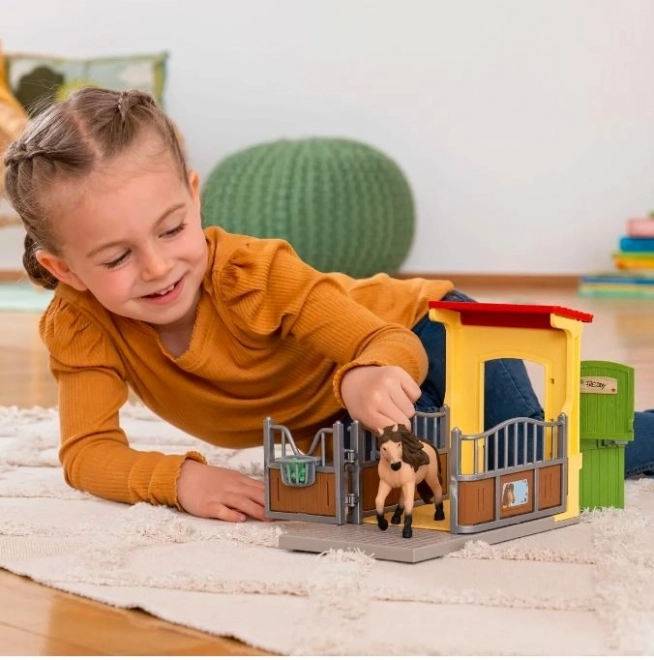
pixel 166 296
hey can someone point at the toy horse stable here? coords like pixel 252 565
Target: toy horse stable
pixel 520 477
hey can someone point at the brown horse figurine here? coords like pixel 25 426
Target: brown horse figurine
pixel 408 463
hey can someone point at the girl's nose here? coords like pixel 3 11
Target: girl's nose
pixel 154 265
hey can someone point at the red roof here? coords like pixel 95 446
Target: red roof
pixel 506 315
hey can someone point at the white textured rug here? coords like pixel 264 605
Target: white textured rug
pixel 584 589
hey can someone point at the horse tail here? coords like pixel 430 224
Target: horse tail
pixel 438 463
pixel 425 492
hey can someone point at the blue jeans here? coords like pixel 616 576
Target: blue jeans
pixel 639 453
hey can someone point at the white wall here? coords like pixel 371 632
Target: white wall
pixel 525 127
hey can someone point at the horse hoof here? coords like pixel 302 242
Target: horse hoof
pixel 439 513
pixel 382 523
pixel 397 516
pixel 407 533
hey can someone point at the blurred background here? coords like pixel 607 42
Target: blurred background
pixel 525 129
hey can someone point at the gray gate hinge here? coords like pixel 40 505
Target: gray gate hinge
pixel 350 499
pixel 349 455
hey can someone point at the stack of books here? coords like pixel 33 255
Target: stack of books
pixel 633 276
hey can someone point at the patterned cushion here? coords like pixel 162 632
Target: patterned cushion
pixel 12 121
pixel 36 80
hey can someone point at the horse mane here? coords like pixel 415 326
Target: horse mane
pixel 412 451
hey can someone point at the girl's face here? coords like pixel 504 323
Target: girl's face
pixel 131 234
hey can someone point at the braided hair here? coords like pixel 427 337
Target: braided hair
pixel 67 142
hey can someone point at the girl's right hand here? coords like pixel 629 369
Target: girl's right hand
pixel 379 396
pixel 207 491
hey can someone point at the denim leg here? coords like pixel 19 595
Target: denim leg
pixel 639 453
pixel 508 392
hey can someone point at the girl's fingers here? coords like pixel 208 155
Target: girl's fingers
pixel 222 512
pixel 402 403
pixel 249 499
pixel 255 489
pixel 410 387
pixel 382 421
pixel 247 506
pixel 397 408
pixel 236 509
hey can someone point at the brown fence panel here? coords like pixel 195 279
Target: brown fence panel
pixel 549 486
pixel 476 501
pixel 317 499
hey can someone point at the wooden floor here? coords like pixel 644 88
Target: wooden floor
pixel 36 620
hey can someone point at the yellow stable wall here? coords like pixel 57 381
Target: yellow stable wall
pixel 557 349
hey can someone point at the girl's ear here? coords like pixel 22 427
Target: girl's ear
pixel 194 186
pixel 59 268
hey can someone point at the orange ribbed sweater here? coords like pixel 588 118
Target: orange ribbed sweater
pixel 272 337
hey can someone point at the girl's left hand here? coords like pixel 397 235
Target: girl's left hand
pixel 208 491
pixel 380 396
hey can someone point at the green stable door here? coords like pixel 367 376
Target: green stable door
pixel 607 424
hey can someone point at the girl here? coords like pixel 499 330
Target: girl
pixel 213 331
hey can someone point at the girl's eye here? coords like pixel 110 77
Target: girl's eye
pixel 116 262
pixel 175 230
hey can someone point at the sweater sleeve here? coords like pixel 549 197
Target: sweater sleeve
pixel 92 387
pixel 271 290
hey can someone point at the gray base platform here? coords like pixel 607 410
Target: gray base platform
pixel 389 545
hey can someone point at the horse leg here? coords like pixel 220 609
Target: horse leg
pixel 382 493
pixel 382 523
pixel 408 492
pixel 435 484
pixel 407 531
pixel 399 510
pixel 439 514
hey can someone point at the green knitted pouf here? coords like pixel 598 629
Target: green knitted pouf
pixel 342 205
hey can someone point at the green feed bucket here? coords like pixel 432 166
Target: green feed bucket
pixel 298 471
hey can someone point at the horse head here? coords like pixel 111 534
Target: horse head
pixel 390 446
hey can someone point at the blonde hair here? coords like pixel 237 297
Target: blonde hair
pixel 68 141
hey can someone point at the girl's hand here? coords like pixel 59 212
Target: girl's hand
pixel 207 491
pixel 379 396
